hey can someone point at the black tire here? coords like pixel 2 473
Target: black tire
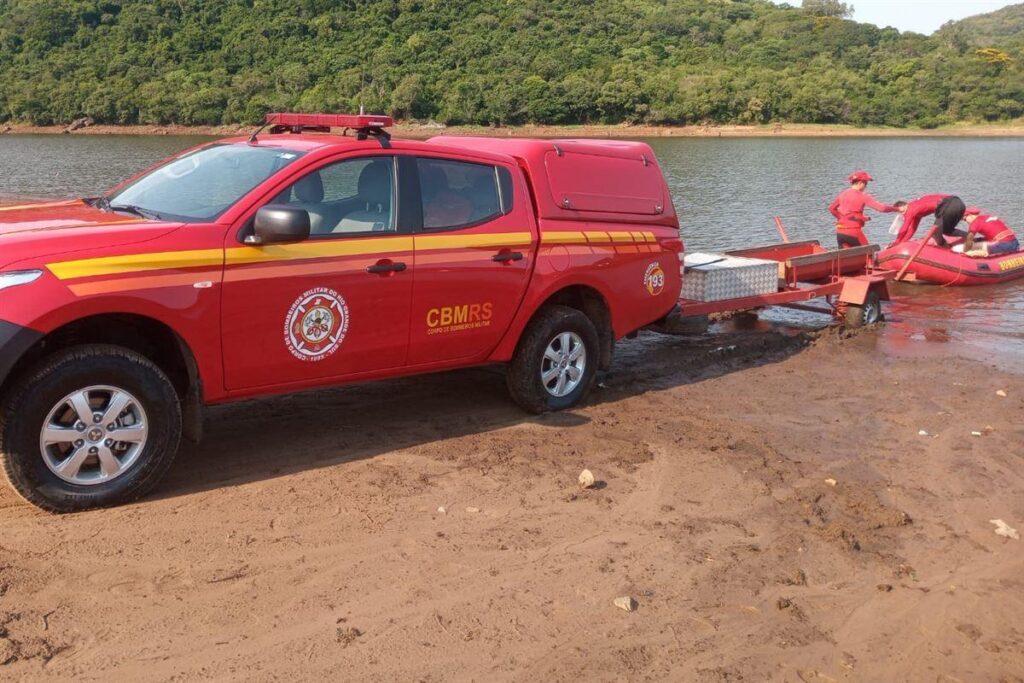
pixel 867 314
pixel 524 373
pixel 34 394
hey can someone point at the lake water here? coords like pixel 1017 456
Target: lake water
pixel 726 191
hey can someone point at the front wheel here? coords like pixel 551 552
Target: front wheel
pixel 867 314
pixel 556 361
pixel 89 427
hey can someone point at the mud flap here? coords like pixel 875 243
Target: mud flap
pixel 193 414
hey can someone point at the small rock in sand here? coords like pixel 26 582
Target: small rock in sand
pixel 586 479
pixel 471 509
pixel 442 510
pixel 798 578
pixel 1001 393
pixel 884 587
pixel 975 433
pixel 831 482
pixel 1004 529
pixel 784 603
pixel 627 603
pixel 347 636
pixel 922 433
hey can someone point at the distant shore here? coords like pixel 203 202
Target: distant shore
pixel 416 131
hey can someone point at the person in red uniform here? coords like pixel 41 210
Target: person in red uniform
pixel 848 208
pixel 999 239
pixel 948 210
pixel 914 212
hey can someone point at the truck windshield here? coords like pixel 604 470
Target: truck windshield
pixel 201 185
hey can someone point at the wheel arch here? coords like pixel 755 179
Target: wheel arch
pixel 149 337
pixel 591 303
pixel 589 300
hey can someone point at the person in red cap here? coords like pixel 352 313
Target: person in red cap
pixel 997 236
pixel 848 208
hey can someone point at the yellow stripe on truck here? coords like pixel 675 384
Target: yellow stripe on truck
pixel 502 239
pixel 318 249
pixel 323 249
pixel 595 237
pixel 136 263
pixel 563 238
pixel 312 249
pixel 621 237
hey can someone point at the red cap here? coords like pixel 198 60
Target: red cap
pixel 858 176
pixel 972 211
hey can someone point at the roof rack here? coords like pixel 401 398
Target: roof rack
pixel 364 125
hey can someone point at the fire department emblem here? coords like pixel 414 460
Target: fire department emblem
pixel 316 324
pixel 654 279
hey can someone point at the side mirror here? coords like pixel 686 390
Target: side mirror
pixel 277 223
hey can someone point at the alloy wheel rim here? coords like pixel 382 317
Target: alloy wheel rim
pixel 564 363
pixel 93 435
pixel 872 313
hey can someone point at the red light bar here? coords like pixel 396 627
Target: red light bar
pixel 354 121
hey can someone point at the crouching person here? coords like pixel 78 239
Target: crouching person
pixel 997 236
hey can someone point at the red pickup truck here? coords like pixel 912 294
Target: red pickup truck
pixel 296 258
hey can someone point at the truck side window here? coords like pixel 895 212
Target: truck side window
pixel 346 197
pixel 458 194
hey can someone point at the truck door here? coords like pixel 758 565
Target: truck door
pixel 474 253
pixel 334 305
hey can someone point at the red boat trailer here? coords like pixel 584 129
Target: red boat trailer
pixel 853 288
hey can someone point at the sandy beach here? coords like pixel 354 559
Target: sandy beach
pixel 767 499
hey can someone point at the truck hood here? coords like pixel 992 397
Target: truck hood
pixel 74 213
pixel 46 229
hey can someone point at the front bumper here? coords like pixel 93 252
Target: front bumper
pixel 15 340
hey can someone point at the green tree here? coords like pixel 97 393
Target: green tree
pixel 827 8
pixel 410 98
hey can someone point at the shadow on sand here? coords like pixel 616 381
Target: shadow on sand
pixel 267 438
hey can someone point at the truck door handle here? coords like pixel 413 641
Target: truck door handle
pixel 385 266
pixel 506 256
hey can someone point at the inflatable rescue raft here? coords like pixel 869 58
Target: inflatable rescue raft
pixel 947 267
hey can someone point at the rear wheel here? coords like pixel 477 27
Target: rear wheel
pixel 88 427
pixel 555 362
pixel 867 314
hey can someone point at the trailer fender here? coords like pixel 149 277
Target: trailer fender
pixel 855 289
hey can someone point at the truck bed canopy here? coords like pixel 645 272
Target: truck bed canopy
pixel 586 180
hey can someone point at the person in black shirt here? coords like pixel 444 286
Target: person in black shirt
pixel 948 215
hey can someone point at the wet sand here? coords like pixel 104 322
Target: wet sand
pixel 766 498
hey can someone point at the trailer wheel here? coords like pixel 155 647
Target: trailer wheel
pixel 90 426
pixel 555 362
pixel 869 313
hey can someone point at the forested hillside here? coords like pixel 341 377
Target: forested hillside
pixel 493 62
pixel 1004 27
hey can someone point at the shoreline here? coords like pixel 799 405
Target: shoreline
pixel 416 131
